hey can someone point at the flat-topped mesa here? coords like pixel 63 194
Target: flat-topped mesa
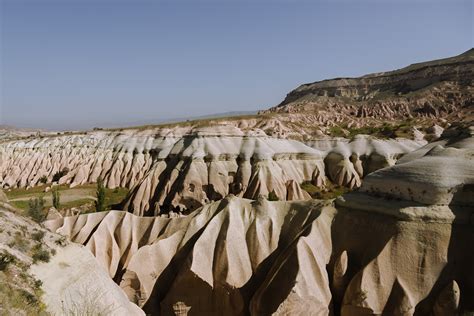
pixel 183 169
pixel 436 89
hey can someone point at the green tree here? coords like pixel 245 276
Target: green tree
pixel 100 194
pixel 272 196
pixel 36 209
pixel 56 198
pixel 43 179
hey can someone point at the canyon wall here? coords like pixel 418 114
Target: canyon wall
pixel 182 169
pixel 439 90
pixel 400 245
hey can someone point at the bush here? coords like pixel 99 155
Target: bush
pixel 86 301
pixel 58 175
pixel 19 242
pixel 272 196
pixel 100 194
pixel 38 236
pixel 328 192
pixel 40 254
pixel 55 198
pixel 5 260
pixel 36 209
pixel 61 241
pixel 43 179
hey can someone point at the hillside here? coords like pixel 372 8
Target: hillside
pixel 437 91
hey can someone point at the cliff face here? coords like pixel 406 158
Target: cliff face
pixel 440 89
pixel 183 170
pixel 401 245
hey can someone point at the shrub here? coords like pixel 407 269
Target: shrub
pixel 38 236
pixel 327 192
pixel 40 254
pixel 61 241
pixel 58 175
pixel 5 260
pixel 43 179
pixel 19 242
pixel 272 196
pixel 100 194
pixel 36 209
pixel 86 301
pixel 55 198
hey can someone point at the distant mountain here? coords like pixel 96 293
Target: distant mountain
pixel 438 89
pixel 181 119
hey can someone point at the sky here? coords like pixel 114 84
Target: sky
pixel 77 64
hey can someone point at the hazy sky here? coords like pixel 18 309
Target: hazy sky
pixel 84 63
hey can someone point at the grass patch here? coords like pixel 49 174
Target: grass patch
pixel 330 191
pixel 84 196
pixel 38 235
pixel 382 131
pixel 115 196
pixel 20 300
pixel 337 131
pixel 19 242
pixel 272 196
pixel 24 193
pixel 76 203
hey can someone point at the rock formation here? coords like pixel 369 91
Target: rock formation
pixel 421 212
pixel 198 234
pixel 45 268
pixel 440 89
pixel 401 245
pixel 185 169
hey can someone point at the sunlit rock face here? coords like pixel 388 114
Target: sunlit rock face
pixel 436 90
pixel 181 169
pixel 387 249
pixel 421 211
pixel 216 258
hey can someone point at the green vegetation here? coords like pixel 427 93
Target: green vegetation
pixel 272 196
pixel 330 191
pixel 58 175
pixel 20 292
pixel 23 302
pixel 43 179
pixel 86 302
pixel 36 209
pixel 114 196
pixel 38 235
pixel 383 131
pixel 100 194
pixel 40 254
pixel 55 198
pixel 25 193
pixel 337 131
pixel 19 242
pixel 78 197
pixel 5 259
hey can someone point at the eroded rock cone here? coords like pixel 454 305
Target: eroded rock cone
pixel 448 300
pixel 340 277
